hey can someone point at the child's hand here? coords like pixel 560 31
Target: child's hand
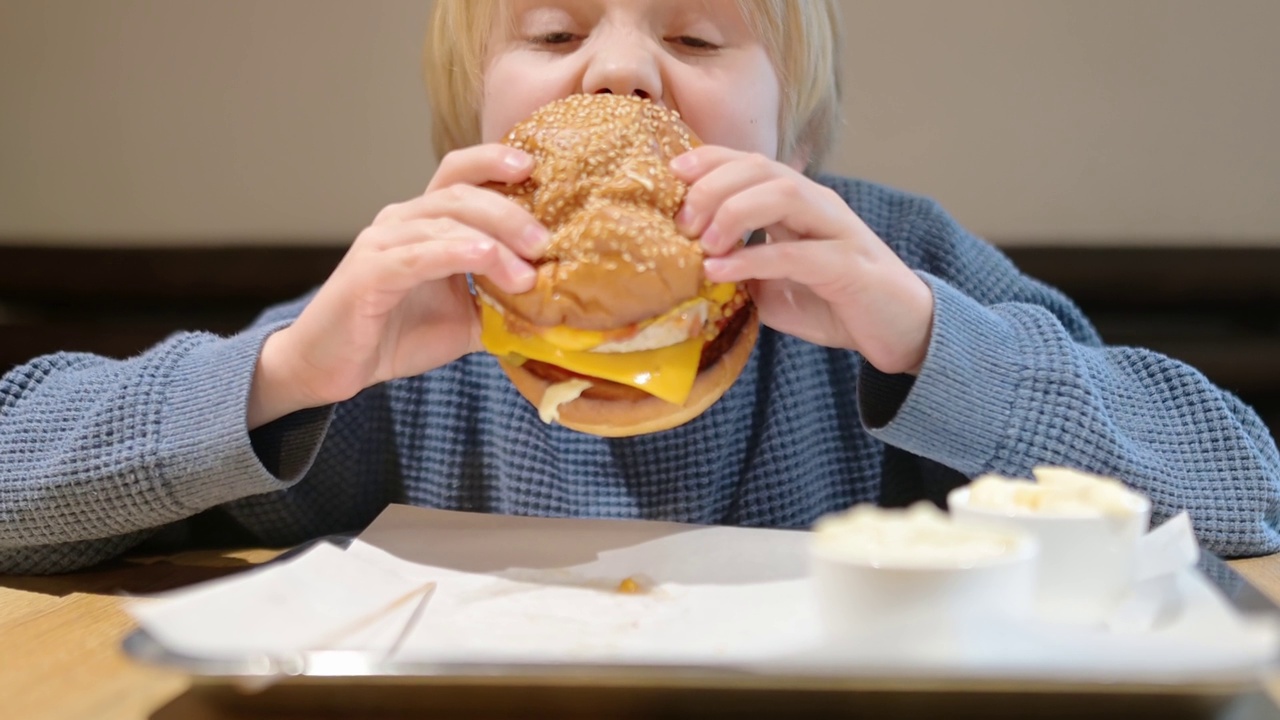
pixel 398 305
pixel 824 276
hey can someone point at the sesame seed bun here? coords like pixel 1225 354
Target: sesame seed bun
pixel 603 187
pixel 616 267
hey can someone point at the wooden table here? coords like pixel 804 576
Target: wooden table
pixel 61 638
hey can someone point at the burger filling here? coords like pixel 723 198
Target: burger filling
pixel 659 357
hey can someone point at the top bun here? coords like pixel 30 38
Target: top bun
pixel 603 187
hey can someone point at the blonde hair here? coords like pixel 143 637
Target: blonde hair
pixel 800 37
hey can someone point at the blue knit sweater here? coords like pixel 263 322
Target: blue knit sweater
pixel 99 455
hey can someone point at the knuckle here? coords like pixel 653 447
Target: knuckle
pixel 696 196
pixel 455 194
pixel 485 248
pixel 789 189
pixel 431 228
pixel 734 211
pixel 409 260
pixel 386 213
pixel 415 256
pixel 372 237
pixel 786 253
pixel 452 158
pixel 831 196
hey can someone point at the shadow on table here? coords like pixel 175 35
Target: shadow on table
pixel 137 576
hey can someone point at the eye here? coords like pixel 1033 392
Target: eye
pixel 693 43
pixel 555 38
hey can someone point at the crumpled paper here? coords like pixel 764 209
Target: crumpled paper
pixel 537 590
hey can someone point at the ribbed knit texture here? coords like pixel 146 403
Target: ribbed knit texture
pixel 98 455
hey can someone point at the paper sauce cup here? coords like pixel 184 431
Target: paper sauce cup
pixel 1088 560
pixel 939 594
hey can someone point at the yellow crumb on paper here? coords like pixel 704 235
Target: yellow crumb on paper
pixel 629 586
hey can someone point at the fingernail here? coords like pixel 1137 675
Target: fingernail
pixel 685 219
pixel 517 160
pixel 715 268
pixel 523 276
pixel 684 163
pixel 536 239
pixel 710 238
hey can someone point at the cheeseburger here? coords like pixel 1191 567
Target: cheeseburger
pixel 621 334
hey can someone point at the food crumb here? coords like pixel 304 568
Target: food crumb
pixel 629 586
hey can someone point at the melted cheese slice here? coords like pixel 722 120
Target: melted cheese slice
pixel 666 373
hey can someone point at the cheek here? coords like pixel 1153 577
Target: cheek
pixel 737 108
pixel 496 110
pixel 762 107
pixel 762 127
pixel 748 123
pixel 494 116
pixel 511 93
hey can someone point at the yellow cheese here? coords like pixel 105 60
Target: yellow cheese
pixel 666 373
pixel 721 293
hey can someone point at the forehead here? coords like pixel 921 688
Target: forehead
pixel 726 10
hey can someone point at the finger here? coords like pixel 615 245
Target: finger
pixel 480 164
pixel 788 283
pixel 796 206
pixel 461 250
pixel 712 189
pixel 792 308
pixel 489 212
pixel 695 164
pixel 814 263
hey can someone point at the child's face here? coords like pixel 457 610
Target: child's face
pixel 696 56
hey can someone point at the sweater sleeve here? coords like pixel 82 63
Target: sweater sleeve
pixel 97 454
pixel 1015 377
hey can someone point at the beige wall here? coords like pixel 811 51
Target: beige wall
pixel 295 120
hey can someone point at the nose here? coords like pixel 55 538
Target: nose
pixel 624 64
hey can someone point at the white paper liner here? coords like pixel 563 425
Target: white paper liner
pixel 536 590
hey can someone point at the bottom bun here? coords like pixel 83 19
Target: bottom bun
pixel 625 418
